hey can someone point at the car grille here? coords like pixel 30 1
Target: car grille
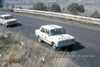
pixel 12 22
pixel 66 41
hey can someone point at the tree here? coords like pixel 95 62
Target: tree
pixel 55 8
pixel 95 15
pixel 40 6
pixel 1 3
pixel 75 8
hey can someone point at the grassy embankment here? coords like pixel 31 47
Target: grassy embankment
pixel 18 51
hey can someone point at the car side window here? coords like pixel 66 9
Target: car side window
pixel 47 32
pixel 42 30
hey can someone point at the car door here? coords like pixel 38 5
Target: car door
pixel 47 36
pixel 42 34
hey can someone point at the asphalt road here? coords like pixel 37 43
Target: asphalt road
pixel 86 51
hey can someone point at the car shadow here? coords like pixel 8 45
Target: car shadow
pixel 17 25
pixel 78 46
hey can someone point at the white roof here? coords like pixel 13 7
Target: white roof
pixel 3 15
pixel 51 26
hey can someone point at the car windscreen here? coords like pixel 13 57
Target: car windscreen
pixel 58 31
pixel 8 17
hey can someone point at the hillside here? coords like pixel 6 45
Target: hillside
pixel 90 1
pixel 53 1
pixel 88 4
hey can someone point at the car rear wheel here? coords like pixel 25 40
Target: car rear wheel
pixel 54 46
pixel 5 25
pixel 1 24
pixel 40 40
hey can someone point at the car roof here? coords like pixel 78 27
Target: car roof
pixel 3 15
pixel 51 26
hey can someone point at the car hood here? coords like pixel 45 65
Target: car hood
pixel 62 37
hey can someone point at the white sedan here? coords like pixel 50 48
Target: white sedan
pixel 7 19
pixel 54 35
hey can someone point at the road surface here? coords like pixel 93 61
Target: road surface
pixel 86 51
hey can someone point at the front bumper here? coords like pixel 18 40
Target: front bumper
pixel 65 44
pixel 11 24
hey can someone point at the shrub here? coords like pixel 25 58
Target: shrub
pixel 55 8
pixel 95 15
pixel 40 6
pixel 75 8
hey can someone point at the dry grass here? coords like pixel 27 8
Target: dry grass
pixel 63 62
pixel 23 52
pixel 14 55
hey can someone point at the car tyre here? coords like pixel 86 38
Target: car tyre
pixel 70 47
pixel 5 25
pixel 40 40
pixel 1 24
pixel 54 46
pixel 16 25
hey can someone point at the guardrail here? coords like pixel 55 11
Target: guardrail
pixel 61 15
pixel 7 9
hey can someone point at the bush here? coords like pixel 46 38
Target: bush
pixel 55 8
pixel 75 8
pixel 95 15
pixel 7 9
pixel 40 6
